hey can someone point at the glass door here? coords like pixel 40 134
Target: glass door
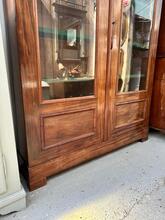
pixel 136 26
pixel 67 40
pixel 133 32
pixel 63 68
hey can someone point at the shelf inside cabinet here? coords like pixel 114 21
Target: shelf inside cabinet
pixel 69 79
pixel 140 46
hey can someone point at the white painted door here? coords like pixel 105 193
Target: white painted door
pixel 2 174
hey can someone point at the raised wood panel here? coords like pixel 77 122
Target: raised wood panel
pixel 66 127
pixel 127 114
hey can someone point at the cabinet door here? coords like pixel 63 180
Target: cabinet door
pixel 134 30
pixel 63 54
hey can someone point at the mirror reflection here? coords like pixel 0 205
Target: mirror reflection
pixel 71 37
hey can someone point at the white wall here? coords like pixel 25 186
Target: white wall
pixel 7 138
pixel 13 197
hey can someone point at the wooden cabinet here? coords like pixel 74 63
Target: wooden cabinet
pixel 86 71
pixel 157 119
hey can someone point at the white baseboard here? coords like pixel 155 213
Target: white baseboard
pixel 12 203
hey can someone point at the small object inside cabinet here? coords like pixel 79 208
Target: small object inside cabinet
pixel 82 73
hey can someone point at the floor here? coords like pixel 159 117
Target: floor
pixel 127 184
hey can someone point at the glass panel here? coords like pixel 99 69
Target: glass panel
pixel 67 32
pixel 134 44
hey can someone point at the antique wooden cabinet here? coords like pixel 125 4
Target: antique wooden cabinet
pixel 86 72
pixel 157 119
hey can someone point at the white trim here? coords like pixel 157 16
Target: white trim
pixel 13 202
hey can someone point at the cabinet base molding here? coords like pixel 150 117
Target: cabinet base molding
pixel 38 174
pixel 13 203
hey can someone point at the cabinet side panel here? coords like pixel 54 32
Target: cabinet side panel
pixel 157 119
pixel 161 44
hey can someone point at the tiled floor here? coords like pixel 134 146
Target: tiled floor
pixel 127 184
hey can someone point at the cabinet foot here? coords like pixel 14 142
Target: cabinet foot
pixel 37 183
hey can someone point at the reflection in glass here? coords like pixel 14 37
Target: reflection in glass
pixel 71 37
pixel 67 47
pixel 134 48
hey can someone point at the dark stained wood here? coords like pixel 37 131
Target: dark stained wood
pixel 161 44
pixel 157 118
pixel 160 69
pixel 152 60
pixel 158 106
pixel 66 132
